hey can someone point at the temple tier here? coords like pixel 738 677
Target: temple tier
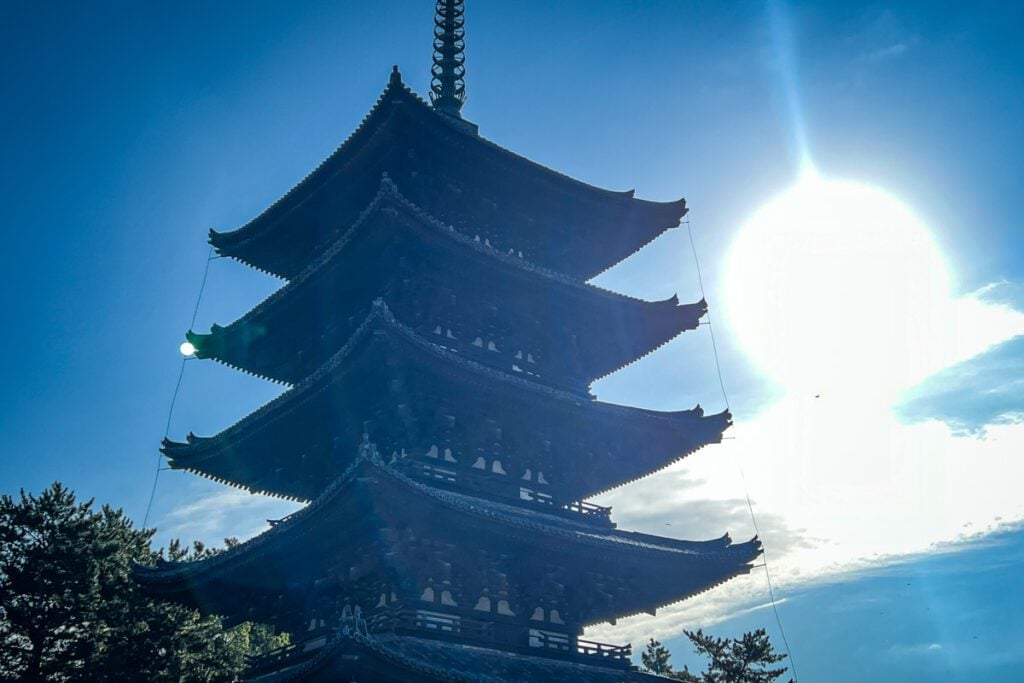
pixel 447 418
pixel 528 319
pixel 404 553
pixel 440 344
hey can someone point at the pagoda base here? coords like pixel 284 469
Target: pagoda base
pixel 358 657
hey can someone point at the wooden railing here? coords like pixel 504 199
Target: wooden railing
pixel 418 621
pixel 284 657
pixel 586 648
pixel 455 628
pixel 448 475
pixel 521 640
pixel 589 509
pixel 592 648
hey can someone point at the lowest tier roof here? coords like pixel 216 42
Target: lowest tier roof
pixel 276 572
pixel 411 393
pixel 448 169
pixel 387 658
pixel 497 307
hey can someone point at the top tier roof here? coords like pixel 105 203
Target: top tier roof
pixel 448 169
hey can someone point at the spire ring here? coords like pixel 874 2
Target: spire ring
pixel 448 73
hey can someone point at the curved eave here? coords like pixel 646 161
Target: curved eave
pixel 723 421
pixel 347 640
pixel 227 482
pixel 224 241
pixel 462 663
pixel 657 217
pixel 671 215
pixel 671 317
pixel 742 554
pixel 688 318
pixel 209 347
pixel 198 449
pixel 646 219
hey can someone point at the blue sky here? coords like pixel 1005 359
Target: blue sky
pixel 134 129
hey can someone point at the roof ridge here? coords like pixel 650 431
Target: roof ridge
pixel 392 86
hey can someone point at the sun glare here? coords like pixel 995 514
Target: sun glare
pixel 837 287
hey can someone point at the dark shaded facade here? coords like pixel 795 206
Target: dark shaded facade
pixel 439 340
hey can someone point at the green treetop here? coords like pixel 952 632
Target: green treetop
pixel 70 611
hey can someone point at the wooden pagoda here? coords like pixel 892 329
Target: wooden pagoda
pixel 439 340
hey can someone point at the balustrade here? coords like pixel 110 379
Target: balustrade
pixel 454 627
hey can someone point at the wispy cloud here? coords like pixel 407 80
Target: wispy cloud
pixel 214 515
pixel 889 51
pixel 881 36
pixel 972 395
pixel 983 388
pixel 901 649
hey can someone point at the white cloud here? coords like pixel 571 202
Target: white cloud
pixel 837 486
pixel 214 512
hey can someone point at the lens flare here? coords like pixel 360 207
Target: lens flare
pixel 836 286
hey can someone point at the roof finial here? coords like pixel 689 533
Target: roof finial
pixel 447 83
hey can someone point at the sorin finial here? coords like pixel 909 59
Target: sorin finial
pixel 448 75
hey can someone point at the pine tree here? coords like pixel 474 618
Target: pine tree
pixel 745 660
pixel 655 660
pixel 70 611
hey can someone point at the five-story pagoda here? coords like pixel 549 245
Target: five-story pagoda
pixel 439 340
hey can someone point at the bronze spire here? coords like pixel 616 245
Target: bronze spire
pixel 447 83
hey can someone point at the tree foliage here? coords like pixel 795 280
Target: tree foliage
pixel 655 660
pixel 748 659
pixel 70 610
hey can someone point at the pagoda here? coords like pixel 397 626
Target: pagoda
pixel 439 338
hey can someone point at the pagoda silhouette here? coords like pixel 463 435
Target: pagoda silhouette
pixel 439 339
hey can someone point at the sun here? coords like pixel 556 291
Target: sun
pixel 836 287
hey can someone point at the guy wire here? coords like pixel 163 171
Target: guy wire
pixel 177 387
pixel 743 478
